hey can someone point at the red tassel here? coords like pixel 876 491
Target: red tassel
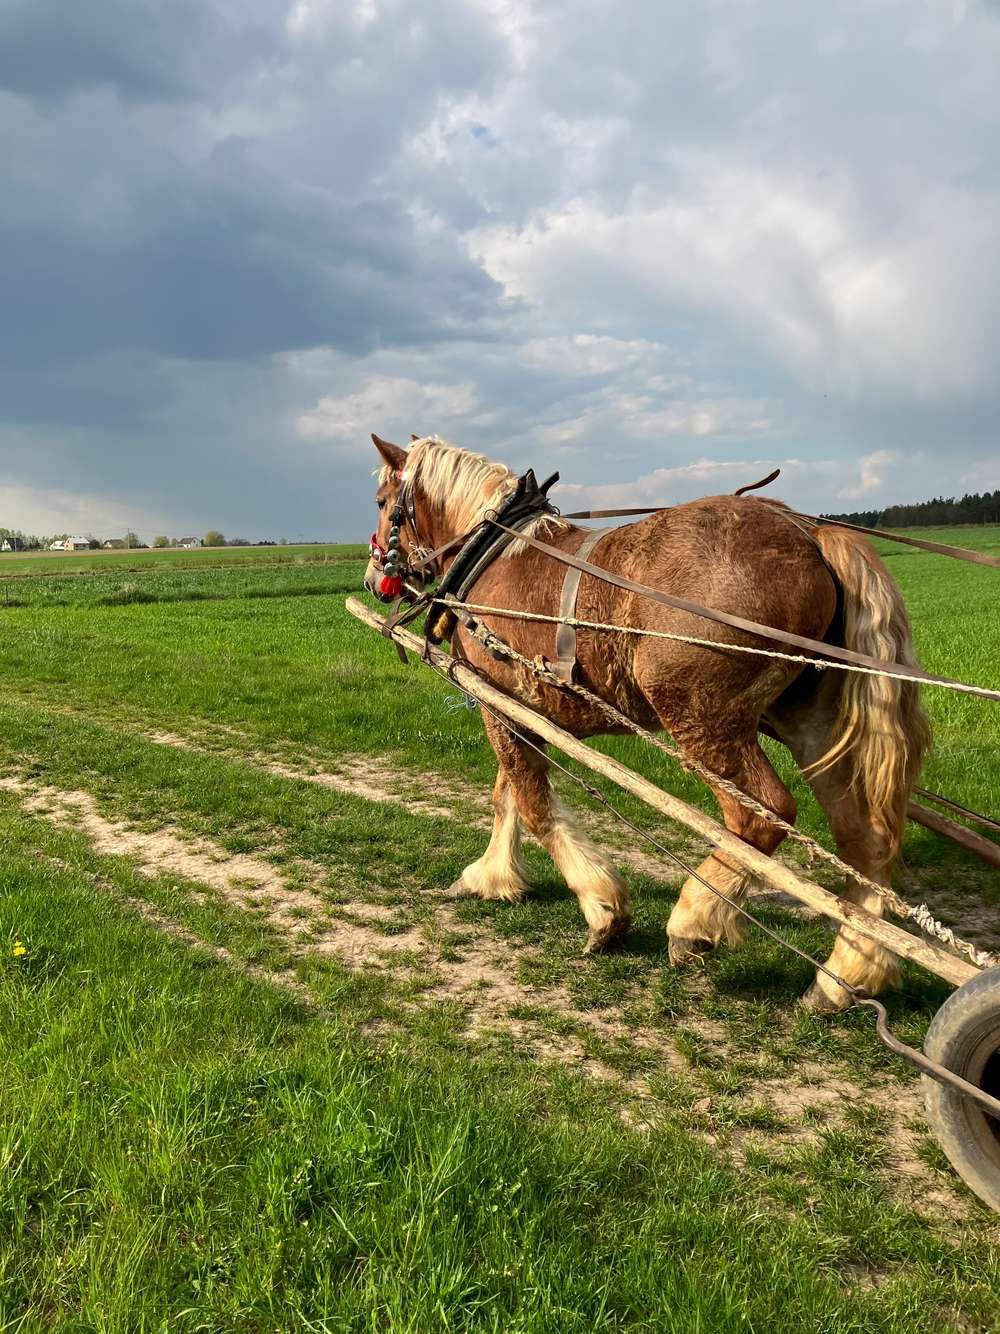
pixel 391 586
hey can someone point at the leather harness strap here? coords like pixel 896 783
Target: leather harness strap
pixel 566 635
pixel 564 663
pixel 755 486
pixel 939 548
pixel 769 633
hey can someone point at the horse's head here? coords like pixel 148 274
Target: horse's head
pixel 396 540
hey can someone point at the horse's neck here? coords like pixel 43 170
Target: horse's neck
pixel 435 526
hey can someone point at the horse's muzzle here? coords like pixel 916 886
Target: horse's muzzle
pixel 373 577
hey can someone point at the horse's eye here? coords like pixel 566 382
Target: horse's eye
pixel 380 504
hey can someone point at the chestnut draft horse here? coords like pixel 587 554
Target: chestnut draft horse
pixel 858 739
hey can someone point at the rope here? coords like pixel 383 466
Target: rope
pixel 820 663
pixel 858 997
pixel 922 915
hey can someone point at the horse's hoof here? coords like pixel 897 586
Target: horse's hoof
pixel 602 937
pixel 511 893
pixel 818 1001
pixel 682 950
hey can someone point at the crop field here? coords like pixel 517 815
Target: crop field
pixel 262 1070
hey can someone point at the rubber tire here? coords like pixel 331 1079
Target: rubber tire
pixel 965 1037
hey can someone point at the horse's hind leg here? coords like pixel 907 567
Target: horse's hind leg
pixel 860 842
pixel 600 890
pixel 859 961
pixel 703 916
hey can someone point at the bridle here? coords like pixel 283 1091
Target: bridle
pixel 392 561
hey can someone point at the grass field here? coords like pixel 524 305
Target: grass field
pixel 262 1072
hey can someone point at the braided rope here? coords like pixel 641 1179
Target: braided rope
pixel 922 915
pixel 820 663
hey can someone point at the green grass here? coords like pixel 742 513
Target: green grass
pixel 185 1148
pixel 188 1145
pixel 14 565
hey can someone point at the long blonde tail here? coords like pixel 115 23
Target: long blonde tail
pixel 881 724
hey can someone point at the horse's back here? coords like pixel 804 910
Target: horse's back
pixel 731 553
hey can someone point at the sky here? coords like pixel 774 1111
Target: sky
pixel 659 245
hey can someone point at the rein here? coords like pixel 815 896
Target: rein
pixel 530 500
pixel 771 632
pixel 924 544
pixel 938 548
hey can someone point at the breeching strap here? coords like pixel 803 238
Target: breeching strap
pixel 940 548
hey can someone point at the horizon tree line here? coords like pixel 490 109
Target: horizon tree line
pixel 972 508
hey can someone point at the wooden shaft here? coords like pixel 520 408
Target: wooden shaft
pixel 965 838
pixel 776 873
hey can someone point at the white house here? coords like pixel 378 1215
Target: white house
pixel 76 544
pixel 189 543
pixel 58 545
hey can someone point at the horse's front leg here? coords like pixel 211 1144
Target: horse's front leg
pixel 499 872
pixel 600 890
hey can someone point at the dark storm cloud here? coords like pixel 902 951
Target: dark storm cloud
pixel 173 231
pixel 216 267
pixel 148 50
pixel 646 243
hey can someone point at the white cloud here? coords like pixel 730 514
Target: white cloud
pixel 587 354
pixel 705 476
pixel 873 471
pixel 39 511
pixel 386 404
pixel 783 261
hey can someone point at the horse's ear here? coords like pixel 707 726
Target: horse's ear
pixel 393 455
pixel 413 437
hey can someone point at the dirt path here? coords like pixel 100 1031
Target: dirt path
pixel 376 779
pixel 382 782
pixel 450 961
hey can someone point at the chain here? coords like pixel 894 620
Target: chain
pixel 922 915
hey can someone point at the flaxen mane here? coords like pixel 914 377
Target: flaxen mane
pixel 464 486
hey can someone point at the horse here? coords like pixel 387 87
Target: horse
pixel 858 739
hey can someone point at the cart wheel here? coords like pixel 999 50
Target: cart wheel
pixel 965 1038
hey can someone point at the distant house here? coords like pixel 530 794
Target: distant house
pixel 189 543
pixel 115 544
pixel 12 544
pixel 76 544
pixel 58 545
